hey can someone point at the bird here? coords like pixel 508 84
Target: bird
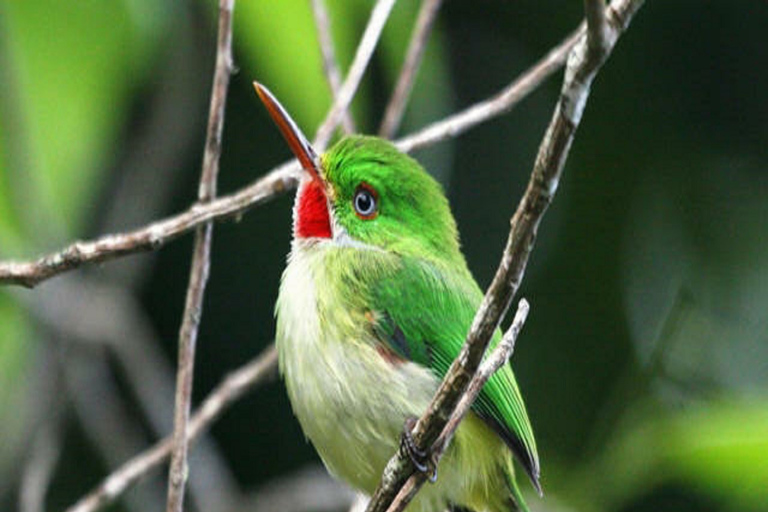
pixel 374 305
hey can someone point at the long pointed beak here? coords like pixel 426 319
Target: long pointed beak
pixel 293 135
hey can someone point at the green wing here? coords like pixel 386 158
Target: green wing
pixel 425 313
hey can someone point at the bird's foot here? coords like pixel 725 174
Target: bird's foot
pixel 421 459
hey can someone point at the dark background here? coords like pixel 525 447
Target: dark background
pixel 644 361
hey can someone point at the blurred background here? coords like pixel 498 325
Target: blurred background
pixel 644 361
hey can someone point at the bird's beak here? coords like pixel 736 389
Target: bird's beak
pixel 293 135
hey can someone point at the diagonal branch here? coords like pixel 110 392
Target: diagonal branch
pixel 231 389
pixel 368 43
pixel 201 260
pixel 500 103
pixel 396 107
pixel 330 64
pixel 278 181
pixel 582 67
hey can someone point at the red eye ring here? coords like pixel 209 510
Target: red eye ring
pixel 366 202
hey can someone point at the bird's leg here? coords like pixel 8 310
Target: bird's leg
pixel 420 458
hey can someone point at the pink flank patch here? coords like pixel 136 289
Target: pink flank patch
pixel 312 219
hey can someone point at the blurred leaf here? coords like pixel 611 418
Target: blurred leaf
pixel 718 449
pixel 73 67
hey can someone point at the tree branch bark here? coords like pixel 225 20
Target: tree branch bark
pixel 198 277
pixel 581 69
pixel 330 64
pixel 397 103
pixel 368 43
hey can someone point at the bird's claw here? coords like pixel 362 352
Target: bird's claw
pixel 421 460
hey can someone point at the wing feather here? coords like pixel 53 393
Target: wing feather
pixel 424 313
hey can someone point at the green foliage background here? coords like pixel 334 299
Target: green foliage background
pixel 645 359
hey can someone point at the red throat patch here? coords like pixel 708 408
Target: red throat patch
pixel 312 219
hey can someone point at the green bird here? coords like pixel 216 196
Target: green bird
pixel 374 305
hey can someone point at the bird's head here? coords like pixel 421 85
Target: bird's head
pixel 365 192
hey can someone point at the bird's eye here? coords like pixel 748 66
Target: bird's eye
pixel 365 202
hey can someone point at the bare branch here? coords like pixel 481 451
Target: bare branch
pixel 581 69
pixel 330 64
pixel 396 107
pixel 494 106
pixel 152 236
pixel 232 388
pixel 198 276
pixel 368 43
pixel 491 365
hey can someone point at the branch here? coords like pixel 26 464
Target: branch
pixel 330 65
pixel 396 107
pixel 201 259
pixel 275 183
pixel 150 237
pixel 582 67
pixel 491 365
pixel 232 388
pixel 368 43
pixel 496 105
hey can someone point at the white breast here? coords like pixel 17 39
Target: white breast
pixel 350 401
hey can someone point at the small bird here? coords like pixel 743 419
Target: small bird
pixel 374 305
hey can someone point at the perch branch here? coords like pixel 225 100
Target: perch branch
pixel 201 260
pixel 330 64
pixel 231 389
pixel 581 69
pixel 396 107
pixel 278 181
pixel 498 358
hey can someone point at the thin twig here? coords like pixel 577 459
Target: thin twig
pixel 396 106
pixel 582 67
pixel 152 236
pixel 368 43
pixel 500 103
pixel 231 389
pixel 198 276
pixel 275 183
pixel 330 64
pixel 498 358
